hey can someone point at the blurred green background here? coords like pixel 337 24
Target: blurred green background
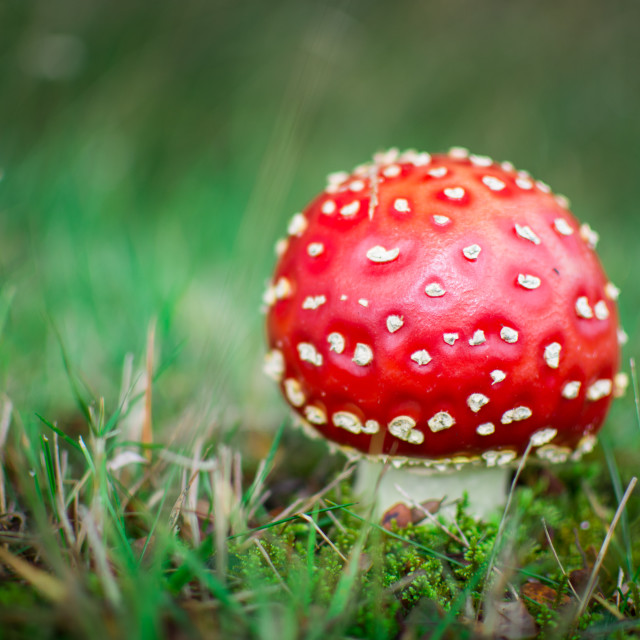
pixel 153 151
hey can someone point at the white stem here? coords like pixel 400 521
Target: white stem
pixel 386 486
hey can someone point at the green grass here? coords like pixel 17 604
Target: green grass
pixel 151 155
pixel 197 542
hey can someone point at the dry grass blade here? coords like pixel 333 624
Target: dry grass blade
pixel 634 381
pixel 430 516
pixel 58 468
pixel 3 492
pixel 192 496
pixel 608 606
pixel 103 570
pixel 225 508
pixel 257 494
pixel 336 523
pixel 169 457
pixel 66 523
pixel 503 520
pixel 405 581
pixel 490 591
pixel 147 425
pixel 461 532
pixel 49 586
pixel 5 421
pixel 619 585
pixel 178 505
pixel 323 535
pixel 555 555
pixel 268 560
pixel 295 507
pixel 588 592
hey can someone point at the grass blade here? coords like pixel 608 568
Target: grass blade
pixel 426 550
pixel 82 404
pixel 264 470
pixel 275 523
pixel 60 432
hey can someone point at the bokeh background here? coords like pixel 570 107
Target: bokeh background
pixel 152 153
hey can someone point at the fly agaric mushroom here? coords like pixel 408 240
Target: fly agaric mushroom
pixel 442 312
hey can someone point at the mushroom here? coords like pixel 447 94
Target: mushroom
pixel 441 314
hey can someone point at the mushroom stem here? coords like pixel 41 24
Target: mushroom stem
pixel 383 486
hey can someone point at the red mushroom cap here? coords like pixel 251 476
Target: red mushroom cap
pixel 443 308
